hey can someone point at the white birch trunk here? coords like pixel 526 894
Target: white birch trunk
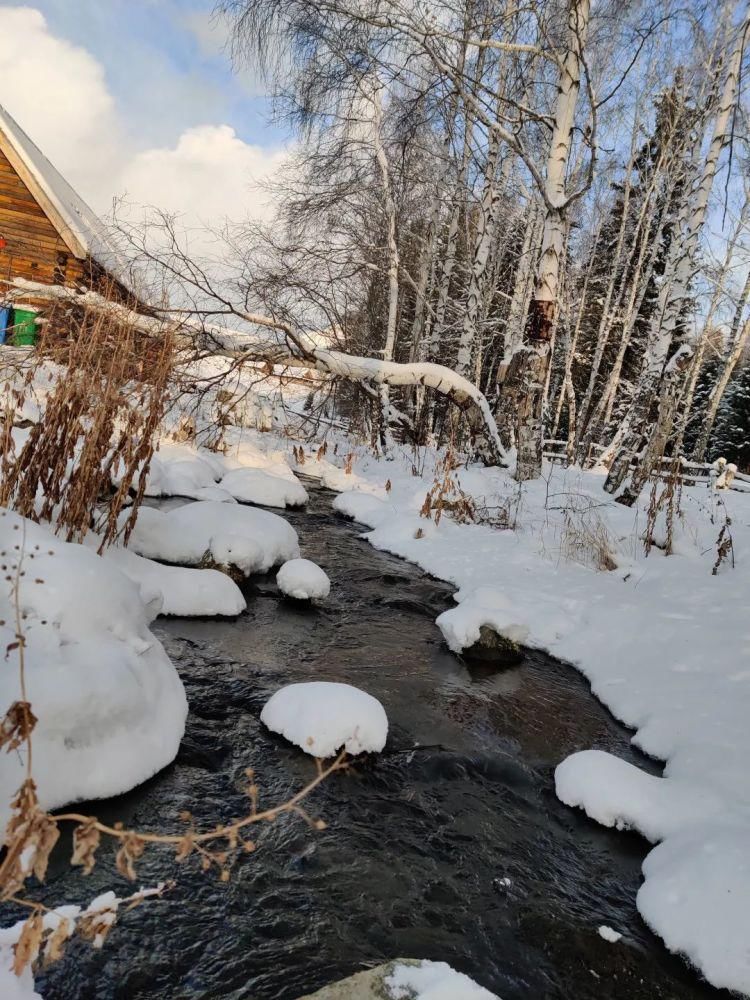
pixel 533 362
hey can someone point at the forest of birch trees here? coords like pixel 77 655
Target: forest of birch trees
pixel 549 198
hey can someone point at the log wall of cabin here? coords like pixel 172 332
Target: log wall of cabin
pixel 33 247
pixel 35 250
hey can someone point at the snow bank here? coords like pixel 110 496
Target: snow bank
pixel 183 471
pixel 303 580
pixel 110 706
pixel 13 987
pixel 363 507
pixel 257 486
pixel 700 868
pixel 433 981
pixel 321 717
pixel 252 540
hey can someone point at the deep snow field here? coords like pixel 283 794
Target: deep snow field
pixel 663 641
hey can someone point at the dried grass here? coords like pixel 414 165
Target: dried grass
pixel 585 539
pixel 101 415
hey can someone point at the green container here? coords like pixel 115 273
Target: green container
pixel 23 330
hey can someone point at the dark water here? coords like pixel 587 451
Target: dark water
pixel 420 842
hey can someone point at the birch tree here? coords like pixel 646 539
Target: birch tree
pixel 674 292
pixel 528 369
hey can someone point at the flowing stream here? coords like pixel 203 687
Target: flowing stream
pixel 450 845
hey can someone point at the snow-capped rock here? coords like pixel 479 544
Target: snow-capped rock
pixel 253 540
pixel 321 717
pixel 303 580
pixel 260 487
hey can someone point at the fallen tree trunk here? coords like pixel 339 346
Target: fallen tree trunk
pixel 278 343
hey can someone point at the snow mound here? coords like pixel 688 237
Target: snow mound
pixel 260 487
pixel 110 706
pixel 252 540
pixel 303 580
pixel 322 716
pixel 363 507
pixel 433 981
pixel 481 607
pixel 175 590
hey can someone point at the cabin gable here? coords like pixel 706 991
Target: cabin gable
pixel 31 247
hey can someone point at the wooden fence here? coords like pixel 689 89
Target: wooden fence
pixel 718 474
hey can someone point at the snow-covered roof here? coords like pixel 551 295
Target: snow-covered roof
pixel 79 226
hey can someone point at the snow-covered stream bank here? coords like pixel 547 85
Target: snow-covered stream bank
pixel 459 851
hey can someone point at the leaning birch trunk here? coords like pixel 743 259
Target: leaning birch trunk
pixel 484 238
pixel 567 390
pixel 644 270
pixel 688 393
pixel 277 342
pixel 605 323
pixel 436 323
pixel 672 298
pixel 717 393
pixel 528 380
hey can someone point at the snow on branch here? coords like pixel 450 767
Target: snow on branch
pixel 275 341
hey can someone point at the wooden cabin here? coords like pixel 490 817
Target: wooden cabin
pixel 48 234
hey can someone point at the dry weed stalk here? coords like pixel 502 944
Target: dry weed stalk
pixel 445 494
pixel 586 540
pixel 724 542
pixel 667 501
pixel 100 419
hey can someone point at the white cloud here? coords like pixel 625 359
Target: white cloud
pixel 210 174
pixel 58 93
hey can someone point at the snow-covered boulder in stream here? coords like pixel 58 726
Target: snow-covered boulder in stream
pixel 260 487
pixel 303 580
pixel 110 705
pixel 180 591
pixel 405 979
pixel 252 540
pixel 321 717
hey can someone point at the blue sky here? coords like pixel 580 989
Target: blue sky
pixel 138 99
pixel 165 55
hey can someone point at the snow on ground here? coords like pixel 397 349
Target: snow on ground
pixel 321 717
pixel 663 642
pixel 245 473
pixel 433 981
pixel 250 539
pixel 363 507
pixel 110 706
pixel 256 486
pixel 303 580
